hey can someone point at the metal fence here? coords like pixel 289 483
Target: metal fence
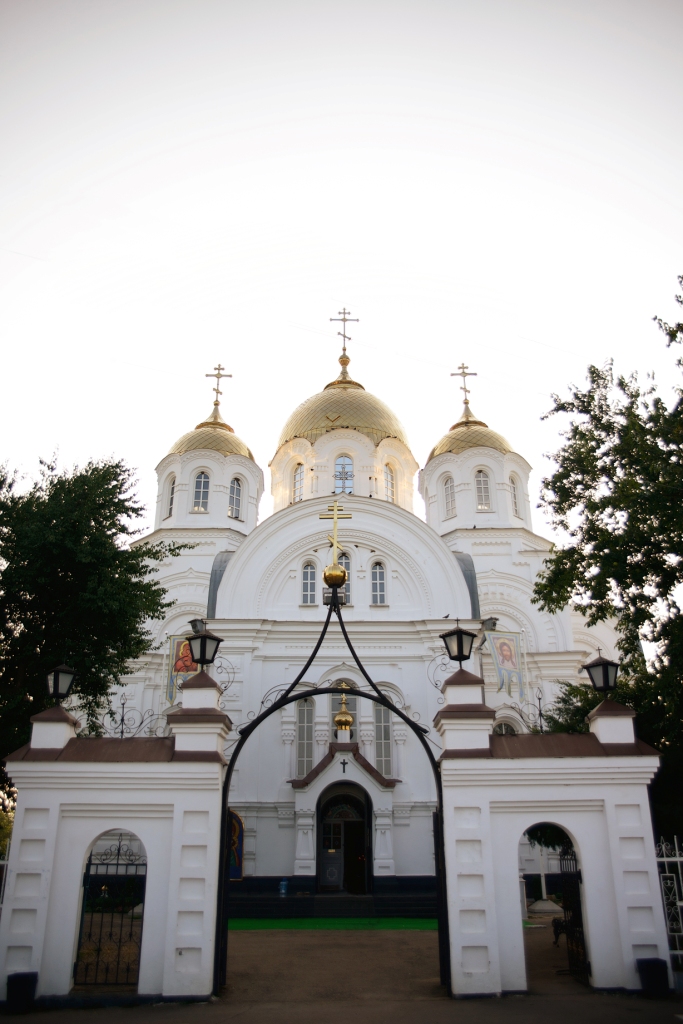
pixel 670 865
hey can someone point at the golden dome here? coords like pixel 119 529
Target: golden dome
pixel 343 719
pixel 469 432
pixel 343 403
pixel 214 434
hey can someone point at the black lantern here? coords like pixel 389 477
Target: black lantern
pixel 60 681
pixel 459 643
pixel 204 647
pixel 602 673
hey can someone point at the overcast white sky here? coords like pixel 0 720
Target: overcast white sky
pixel 188 181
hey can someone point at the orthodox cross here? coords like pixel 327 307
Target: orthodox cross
pixel 345 319
pixel 335 512
pixel 344 764
pixel 218 375
pixel 462 372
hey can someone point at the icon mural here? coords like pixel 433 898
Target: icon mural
pixel 506 651
pixel 181 666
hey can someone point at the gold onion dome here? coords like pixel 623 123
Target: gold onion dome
pixel 343 403
pixel 343 719
pixel 469 432
pixel 212 433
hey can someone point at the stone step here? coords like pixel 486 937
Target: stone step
pixel 250 905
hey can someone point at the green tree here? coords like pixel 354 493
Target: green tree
pixel 72 589
pixel 617 496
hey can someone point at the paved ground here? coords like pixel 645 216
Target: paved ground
pixel 346 977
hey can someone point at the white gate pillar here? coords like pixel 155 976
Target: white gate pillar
pixel 595 788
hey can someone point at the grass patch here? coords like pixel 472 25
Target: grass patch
pixel 242 924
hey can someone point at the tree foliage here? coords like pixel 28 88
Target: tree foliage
pixel 72 588
pixel 549 836
pixel 617 495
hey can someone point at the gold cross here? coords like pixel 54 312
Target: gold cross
pixel 345 319
pixel 219 376
pixel 335 512
pixel 462 372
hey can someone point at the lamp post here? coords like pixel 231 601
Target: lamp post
pixel 602 673
pixel 60 681
pixel 204 647
pixel 458 643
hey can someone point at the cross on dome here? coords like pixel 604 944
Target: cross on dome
pixel 219 376
pixel 344 318
pixel 462 372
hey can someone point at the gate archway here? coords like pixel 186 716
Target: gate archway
pixel 110 932
pixel 288 696
pixel 560 881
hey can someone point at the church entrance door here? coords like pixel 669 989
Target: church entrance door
pixel 343 853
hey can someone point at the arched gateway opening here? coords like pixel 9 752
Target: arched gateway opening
pixel 343 811
pixel 344 843
pixel 551 891
pixel 110 932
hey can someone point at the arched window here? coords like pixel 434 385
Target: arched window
pixel 378 583
pixel 235 506
pixel 343 475
pixel 483 491
pixel 504 729
pixel 389 486
pixel 308 584
pixel 171 498
pixel 201 493
pixel 449 496
pixel 515 497
pixel 383 740
pixel 298 484
pixel 304 737
pixel 351 707
pixel 346 562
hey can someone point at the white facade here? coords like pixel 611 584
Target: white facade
pixel 257 601
pixel 259 585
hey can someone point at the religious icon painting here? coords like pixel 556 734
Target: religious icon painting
pixel 236 846
pixel 506 651
pixel 181 666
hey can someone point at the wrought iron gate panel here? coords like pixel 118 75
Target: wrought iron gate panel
pixel 110 935
pixel 670 867
pixel 579 966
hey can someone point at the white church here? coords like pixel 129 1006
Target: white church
pixel 310 819
pixel 260 586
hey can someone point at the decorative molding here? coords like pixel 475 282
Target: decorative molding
pixel 544 806
pixel 112 811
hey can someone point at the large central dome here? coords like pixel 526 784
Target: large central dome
pixel 343 403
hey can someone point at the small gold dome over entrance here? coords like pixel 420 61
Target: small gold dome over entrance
pixel 343 403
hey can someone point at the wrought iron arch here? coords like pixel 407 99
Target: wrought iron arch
pixel 288 696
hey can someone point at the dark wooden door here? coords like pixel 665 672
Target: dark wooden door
pixel 332 857
pixel 354 858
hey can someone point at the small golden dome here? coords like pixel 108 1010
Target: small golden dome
pixel 469 432
pixel 343 403
pixel 343 719
pixel 215 434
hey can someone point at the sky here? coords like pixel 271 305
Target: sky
pixel 187 182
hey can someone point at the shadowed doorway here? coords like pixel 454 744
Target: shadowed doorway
pixel 344 840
